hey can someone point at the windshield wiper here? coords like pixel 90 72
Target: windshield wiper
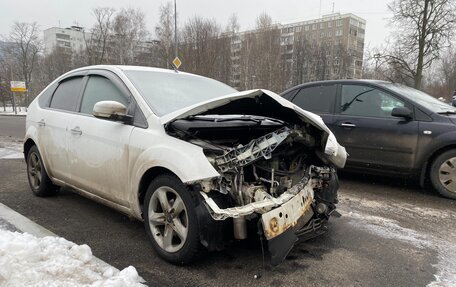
pixel 447 113
pixel 242 118
pixel 347 105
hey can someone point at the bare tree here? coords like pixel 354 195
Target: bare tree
pixel 130 33
pixel 424 28
pixel 204 50
pixel 98 38
pixel 26 48
pixel 165 33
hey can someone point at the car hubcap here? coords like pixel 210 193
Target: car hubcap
pixel 34 170
pixel 447 174
pixel 168 219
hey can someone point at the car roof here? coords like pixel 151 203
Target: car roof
pixel 346 81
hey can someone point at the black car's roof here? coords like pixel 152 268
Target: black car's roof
pixel 352 81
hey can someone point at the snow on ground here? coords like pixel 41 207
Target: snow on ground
pixel 359 212
pixel 10 149
pixel 26 260
pixel 10 111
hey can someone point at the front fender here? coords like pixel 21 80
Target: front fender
pixel 185 160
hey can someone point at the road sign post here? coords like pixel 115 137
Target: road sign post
pixel 17 86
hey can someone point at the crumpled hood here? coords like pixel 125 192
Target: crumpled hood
pixel 279 108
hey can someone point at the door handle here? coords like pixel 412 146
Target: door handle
pixel 41 123
pixel 76 131
pixel 348 125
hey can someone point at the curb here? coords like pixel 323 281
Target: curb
pixel 12 115
pixel 23 224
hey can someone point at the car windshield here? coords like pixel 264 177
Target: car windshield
pixel 421 98
pixel 168 92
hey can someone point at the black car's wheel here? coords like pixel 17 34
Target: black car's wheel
pixel 170 220
pixel 38 179
pixel 443 174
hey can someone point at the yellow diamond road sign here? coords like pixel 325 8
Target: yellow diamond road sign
pixel 177 62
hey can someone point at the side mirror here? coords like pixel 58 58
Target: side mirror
pixel 402 112
pixel 111 110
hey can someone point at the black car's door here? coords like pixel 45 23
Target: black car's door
pixel 372 136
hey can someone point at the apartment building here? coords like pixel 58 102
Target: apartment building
pixel 341 36
pixel 69 39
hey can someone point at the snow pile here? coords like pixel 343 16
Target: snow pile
pixel 26 260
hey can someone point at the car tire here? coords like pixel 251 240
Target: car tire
pixel 39 181
pixel 170 220
pixel 443 174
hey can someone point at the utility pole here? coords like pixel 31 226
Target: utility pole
pixel 175 29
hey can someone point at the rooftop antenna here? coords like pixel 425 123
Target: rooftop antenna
pixel 333 8
pixel 59 24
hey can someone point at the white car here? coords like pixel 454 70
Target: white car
pixel 197 161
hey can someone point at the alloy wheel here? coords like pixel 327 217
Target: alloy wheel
pixel 168 219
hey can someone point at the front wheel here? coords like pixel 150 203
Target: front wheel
pixel 38 179
pixel 170 220
pixel 443 174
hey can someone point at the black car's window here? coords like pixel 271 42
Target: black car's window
pixel 359 100
pixel 318 99
pixel 289 95
pixel 100 89
pixel 66 97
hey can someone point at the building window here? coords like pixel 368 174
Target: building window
pixel 306 28
pixel 339 32
pixel 322 25
pixel 322 34
pixel 314 26
pixel 339 23
pixel 298 29
pixel 330 33
pixel 329 24
pixel 336 62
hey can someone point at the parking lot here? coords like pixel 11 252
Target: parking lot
pixel 391 233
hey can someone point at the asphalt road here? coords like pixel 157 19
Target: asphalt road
pixel 391 233
pixel 12 126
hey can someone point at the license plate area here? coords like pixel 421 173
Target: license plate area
pixel 280 219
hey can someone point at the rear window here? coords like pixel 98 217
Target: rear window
pixel 317 99
pixel 66 96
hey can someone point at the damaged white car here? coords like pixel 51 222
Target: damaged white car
pixel 200 163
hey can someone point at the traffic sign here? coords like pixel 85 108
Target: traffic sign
pixel 18 86
pixel 177 62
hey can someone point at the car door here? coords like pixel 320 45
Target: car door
pixel 53 125
pixel 319 99
pixel 372 136
pixel 99 148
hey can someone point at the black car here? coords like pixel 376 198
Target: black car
pixel 387 128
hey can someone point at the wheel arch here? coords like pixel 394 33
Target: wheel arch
pixel 145 181
pixel 27 146
pixel 425 172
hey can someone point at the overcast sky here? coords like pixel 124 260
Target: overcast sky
pixel 52 13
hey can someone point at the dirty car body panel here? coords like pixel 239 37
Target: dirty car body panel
pixel 249 158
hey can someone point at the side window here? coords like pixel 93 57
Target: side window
pixel 318 99
pixel 100 89
pixel 367 101
pixel 66 97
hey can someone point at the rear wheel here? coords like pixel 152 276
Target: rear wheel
pixel 38 179
pixel 443 174
pixel 170 220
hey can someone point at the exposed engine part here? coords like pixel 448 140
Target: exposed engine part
pixel 255 149
pixel 240 228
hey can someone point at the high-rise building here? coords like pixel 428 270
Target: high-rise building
pixel 330 47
